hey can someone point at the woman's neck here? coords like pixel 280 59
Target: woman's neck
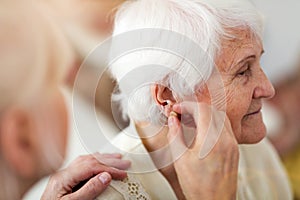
pixel 155 139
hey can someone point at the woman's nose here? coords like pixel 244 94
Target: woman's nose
pixel 264 89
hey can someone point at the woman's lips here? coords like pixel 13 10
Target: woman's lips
pixel 253 113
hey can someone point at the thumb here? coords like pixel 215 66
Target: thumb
pixel 93 188
pixel 175 137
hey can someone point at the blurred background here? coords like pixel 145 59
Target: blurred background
pixel 282 38
pixel 281 63
pixel 86 23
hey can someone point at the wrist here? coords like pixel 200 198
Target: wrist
pixel 54 189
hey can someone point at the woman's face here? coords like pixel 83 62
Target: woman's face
pixel 245 86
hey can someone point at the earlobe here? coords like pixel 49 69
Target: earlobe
pixel 15 142
pixel 164 98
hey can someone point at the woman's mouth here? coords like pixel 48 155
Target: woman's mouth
pixel 253 113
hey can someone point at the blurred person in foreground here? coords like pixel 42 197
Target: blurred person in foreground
pixel 33 117
pixel 283 114
pixel 86 25
pixel 168 101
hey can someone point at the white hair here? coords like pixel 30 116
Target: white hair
pixel 205 22
pixel 34 52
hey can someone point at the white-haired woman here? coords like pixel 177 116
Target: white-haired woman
pixel 159 90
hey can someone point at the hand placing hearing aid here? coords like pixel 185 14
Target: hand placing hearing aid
pixel 185 119
pixel 173 113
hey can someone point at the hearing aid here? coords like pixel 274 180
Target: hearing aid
pixel 173 113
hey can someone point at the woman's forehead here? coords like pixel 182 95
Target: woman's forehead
pixel 236 48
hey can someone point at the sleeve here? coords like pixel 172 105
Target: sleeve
pixel 110 193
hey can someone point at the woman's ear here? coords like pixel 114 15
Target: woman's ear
pixel 16 142
pixel 164 98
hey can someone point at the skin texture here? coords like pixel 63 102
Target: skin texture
pixel 245 85
pixel 217 176
pixel 91 170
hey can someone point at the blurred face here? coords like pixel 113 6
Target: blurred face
pixel 51 126
pixel 245 86
pixel 91 15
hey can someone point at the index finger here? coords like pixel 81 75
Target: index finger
pixel 209 124
pixel 195 109
pixel 198 113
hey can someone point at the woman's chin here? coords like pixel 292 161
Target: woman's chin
pixel 252 136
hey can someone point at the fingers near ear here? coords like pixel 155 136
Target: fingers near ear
pixel 93 188
pixel 175 137
pixel 185 107
pixel 188 108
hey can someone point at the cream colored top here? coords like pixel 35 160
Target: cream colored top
pixel 260 175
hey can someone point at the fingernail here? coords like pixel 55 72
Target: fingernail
pixel 104 178
pixel 171 120
pixel 173 113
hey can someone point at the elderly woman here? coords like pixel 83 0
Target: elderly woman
pixel 177 99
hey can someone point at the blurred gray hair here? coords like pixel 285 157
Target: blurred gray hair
pixel 205 22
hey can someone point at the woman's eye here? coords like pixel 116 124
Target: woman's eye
pixel 246 71
pixel 243 73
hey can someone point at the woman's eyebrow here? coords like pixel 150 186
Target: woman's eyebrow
pixel 250 56
pixel 246 58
